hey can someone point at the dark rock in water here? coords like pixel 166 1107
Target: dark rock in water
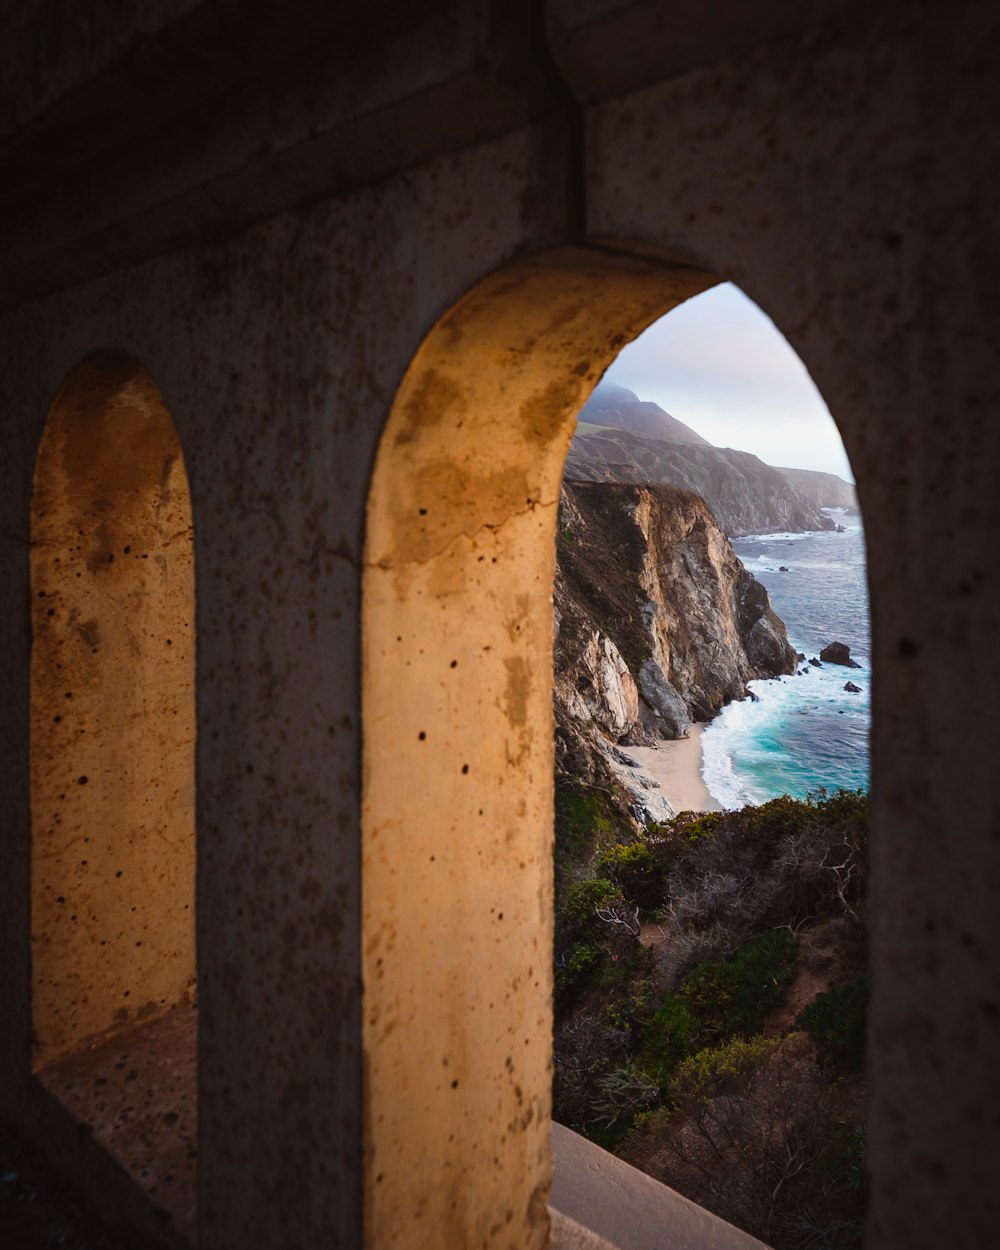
pixel 800 655
pixel 782 568
pixel 852 688
pixel 841 529
pixel 815 663
pixel 839 653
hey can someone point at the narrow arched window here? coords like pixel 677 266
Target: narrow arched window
pixel 112 772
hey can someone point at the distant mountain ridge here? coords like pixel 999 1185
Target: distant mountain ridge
pixel 617 408
pixel 621 438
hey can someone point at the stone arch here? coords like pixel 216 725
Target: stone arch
pixel 112 717
pixel 458 751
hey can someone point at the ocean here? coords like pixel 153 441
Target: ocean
pixel 802 732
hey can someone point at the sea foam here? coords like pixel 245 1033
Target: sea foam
pixel 801 732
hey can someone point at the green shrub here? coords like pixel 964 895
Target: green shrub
pixel 576 971
pixel 587 817
pixel 636 872
pixel 734 995
pixel 712 1071
pixel 583 959
pixel 837 1021
pixel 627 1014
pixel 623 1094
pixel 842 807
pixel 583 899
pixel 693 826
pixel 779 817
pixel 670 1034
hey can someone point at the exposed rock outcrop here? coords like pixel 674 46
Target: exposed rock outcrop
pixel 657 624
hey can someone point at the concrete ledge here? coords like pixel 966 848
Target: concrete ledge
pixel 617 1204
pixel 567 1234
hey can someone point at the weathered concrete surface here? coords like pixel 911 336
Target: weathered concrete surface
pixel 137 1092
pixel 629 1208
pixel 458 764
pixel 235 113
pixel 112 712
pixel 277 292
pixel 567 1234
pixel 880 152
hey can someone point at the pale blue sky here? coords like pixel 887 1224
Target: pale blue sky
pixel 721 366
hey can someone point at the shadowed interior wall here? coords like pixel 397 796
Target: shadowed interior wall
pixel 458 745
pixel 112 711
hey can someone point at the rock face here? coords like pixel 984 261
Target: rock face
pixel 657 624
pixel 838 653
pixel 823 490
pixel 620 438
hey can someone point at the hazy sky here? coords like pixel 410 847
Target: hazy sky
pixel 720 365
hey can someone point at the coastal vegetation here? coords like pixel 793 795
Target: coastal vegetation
pixel 711 1002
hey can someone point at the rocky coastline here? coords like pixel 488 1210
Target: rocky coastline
pixel 658 626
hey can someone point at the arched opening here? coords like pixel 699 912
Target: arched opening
pixel 112 773
pixel 705 958
pixel 457 825
pixel 458 745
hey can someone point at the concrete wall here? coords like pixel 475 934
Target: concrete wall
pixel 458 744
pixel 112 712
pixel 837 170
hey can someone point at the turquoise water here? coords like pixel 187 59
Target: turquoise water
pixel 803 732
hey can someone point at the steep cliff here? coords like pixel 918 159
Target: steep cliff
pixel 657 623
pixel 824 490
pixel 621 438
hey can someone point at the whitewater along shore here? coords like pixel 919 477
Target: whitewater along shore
pixel 676 765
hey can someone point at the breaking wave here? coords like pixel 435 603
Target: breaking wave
pixel 804 731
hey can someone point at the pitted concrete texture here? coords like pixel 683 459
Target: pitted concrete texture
pixel 458 745
pixel 280 224
pixel 629 1208
pixel 112 711
pixel 137 1093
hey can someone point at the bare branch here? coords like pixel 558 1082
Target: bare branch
pixel 619 918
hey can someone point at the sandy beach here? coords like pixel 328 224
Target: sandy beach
pixel 677 767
